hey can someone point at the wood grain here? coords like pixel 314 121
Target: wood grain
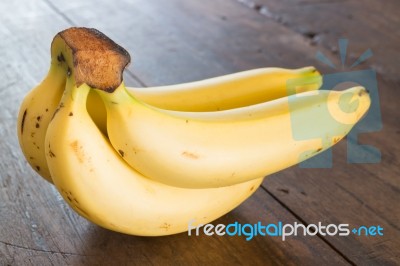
pixel 182 41
pixel 369 24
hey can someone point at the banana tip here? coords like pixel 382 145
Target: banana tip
pixel 363 96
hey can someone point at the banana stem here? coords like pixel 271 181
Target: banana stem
pixel 96 59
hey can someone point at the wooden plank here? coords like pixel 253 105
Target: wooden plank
pixel 324 22
pixel 39 228
pixel 218 38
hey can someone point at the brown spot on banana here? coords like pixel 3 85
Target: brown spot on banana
pixel 121 152
pixel 23 121
pixel 61 58
pixel 80 210
pixel 55 112
pixel 51 153
pixel 74 202
pixel 190 155
pixel 165 226
pixel 78 151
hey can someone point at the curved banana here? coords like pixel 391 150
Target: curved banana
pixel 94 179
pixel 219 93
pixel 35 114
pixel 215 149
pixel 234 90
pixel 230 91
pixel 98 184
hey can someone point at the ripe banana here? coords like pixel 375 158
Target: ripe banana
pixel 216 149
pixel 92 177
pixel 230 91
pixel 220 93
pixel 35 114
pixel 96 181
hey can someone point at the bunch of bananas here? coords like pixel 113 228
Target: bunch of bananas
pixel 146 161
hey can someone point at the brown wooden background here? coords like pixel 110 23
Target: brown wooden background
pixel 178 41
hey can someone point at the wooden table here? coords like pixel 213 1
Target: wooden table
pixel 178 41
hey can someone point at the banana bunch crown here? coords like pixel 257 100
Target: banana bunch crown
pixel 97 60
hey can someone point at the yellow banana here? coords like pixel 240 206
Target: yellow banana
pixel 213 156
pixel 35 114
pixel 230 91
pixel 215 149
pixel 234 90
pixel 97 183
pixel 220 93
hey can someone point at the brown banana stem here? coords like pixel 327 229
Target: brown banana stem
pixel 97 60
